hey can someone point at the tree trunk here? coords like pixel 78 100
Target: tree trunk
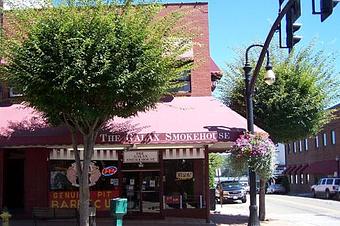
pixel 262 200
pixel 1 13
pixel 84 190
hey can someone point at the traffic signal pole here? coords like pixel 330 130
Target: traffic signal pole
pixel 250 84
pixel 269 38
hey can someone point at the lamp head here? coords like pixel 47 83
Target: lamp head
pixel 269 76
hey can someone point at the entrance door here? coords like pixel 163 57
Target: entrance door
pixel 14 181
pixel 142 190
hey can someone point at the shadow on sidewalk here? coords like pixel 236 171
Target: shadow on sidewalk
pixel 228 219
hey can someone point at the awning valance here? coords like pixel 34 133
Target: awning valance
pixel 325 167
pixel 184 153
pixel 68 154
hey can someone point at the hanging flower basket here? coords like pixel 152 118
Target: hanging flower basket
pixel 255 151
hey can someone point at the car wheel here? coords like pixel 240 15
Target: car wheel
pixel 313 193
pixel 244 200
pixel 327 194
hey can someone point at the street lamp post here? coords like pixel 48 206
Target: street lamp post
pixel 249 80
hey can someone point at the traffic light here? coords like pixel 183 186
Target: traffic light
pixel 326 8
pixel 291 27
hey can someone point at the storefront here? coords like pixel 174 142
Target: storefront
pixel 153 181
pixel 159 162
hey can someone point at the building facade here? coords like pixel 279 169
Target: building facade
pixel 158 159
pixel 312 158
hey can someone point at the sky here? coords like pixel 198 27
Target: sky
pixel 240 23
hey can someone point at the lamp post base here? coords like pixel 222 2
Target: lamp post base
pixel 253 218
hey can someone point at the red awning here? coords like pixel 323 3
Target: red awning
pixel 181 120
pixel 326 167
pixel 303 169
pixel 290 169
pixel 297 169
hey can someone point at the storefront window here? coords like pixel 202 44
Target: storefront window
pixel 307 178
pixel 179 186
pixel 63 175
pixel 64 184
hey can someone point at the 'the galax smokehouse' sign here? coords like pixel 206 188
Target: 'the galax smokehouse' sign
pixel 168 137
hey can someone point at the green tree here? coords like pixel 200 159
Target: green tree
pixel 86 61
pixel 294 107
pixel 215 162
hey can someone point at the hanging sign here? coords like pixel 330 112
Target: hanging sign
pixel 109 171
pixel 184 175
pixel 140 156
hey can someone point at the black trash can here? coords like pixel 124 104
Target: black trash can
pixel 212 199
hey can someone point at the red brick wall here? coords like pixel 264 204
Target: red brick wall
pixel 196 18
pixel 36 178
pixel 314 154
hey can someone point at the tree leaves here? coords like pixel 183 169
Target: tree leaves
pixel 92 60
pixel 294 107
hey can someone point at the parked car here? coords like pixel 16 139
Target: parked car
pixel 276 189
pixel 326 187
pixel 245 186
pixel 230 191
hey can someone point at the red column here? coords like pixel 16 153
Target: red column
pixel 161 175
pixel 206 184
pixel 36 178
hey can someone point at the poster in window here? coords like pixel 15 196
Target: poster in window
pixel 58 180
pixel 152 183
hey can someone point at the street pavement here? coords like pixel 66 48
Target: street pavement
pixel 281 210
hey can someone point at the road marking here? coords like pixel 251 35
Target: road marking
pixel 306 205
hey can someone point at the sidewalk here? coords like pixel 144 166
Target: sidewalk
pixel 110 222
pixel 220 217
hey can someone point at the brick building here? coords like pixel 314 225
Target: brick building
pixel 162 169
pixel 312 158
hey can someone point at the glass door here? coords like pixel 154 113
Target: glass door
pixel 132 191
pixel 142 190
pixel 150 192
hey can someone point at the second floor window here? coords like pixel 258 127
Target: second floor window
pixel 300 145
pixel 306 144
pixel 333 137
pixel 184 82
pixel 316 142
pixel 324 139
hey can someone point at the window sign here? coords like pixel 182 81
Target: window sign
pixel 140 156
pixel 132 181
pixel 184 175
pixel 152 183
pixel 114 181
pixel 109 171
pixel 94 174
